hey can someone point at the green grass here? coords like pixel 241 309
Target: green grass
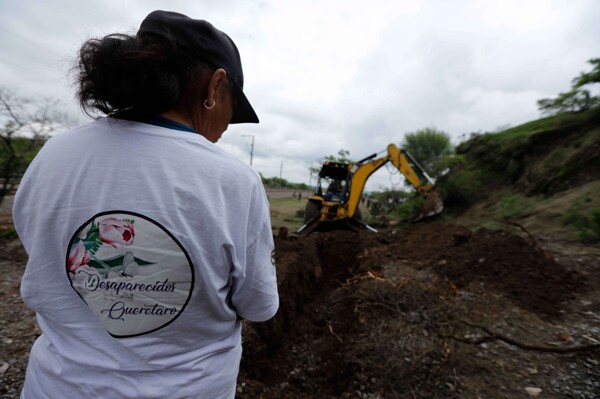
pixel 586 223
pixel 505 156
pixel 552 122
pixel 526 129
pixel 285 213
pixel 513 206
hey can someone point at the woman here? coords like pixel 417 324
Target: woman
pixel 147 243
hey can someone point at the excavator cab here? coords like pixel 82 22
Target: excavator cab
pixel 331 195
pixel 335 177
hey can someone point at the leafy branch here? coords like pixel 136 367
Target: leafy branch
pixel 577 99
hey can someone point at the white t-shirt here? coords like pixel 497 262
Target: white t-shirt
pixel 146 245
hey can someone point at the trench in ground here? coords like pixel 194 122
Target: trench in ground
pixel 310 269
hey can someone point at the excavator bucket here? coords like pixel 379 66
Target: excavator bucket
pixel 433 206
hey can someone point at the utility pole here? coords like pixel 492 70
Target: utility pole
pixel 251 146
pixel 281 170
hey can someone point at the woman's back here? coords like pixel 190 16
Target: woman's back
pixel 147 245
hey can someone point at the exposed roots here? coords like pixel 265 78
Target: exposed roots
pixel 494 335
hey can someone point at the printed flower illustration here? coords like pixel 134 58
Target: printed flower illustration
pixel 78 257
pixel 116 232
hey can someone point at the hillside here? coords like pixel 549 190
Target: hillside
pixel 545 156
pixel 544 175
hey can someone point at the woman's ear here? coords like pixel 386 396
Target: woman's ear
pixel 217 83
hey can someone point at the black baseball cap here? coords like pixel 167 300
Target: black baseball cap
pixel 210 45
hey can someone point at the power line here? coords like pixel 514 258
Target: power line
pixel 40 74
pixel 30 41
pixel 27 68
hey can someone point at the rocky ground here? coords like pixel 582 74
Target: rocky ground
pixel 18 329
pixel 432 311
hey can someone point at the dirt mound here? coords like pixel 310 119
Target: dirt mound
pixel 394 314
pixel 511 265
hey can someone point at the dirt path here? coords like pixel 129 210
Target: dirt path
pixel 287 193
pixel 434 311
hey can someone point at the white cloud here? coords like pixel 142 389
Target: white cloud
pixel 519 16
pixel 333 74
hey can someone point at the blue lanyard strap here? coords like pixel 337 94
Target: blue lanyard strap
pixel 158 120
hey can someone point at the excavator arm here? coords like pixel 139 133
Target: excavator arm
pixel 359 180
pixel 361 171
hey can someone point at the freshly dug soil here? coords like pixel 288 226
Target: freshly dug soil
pixel 404 314
pixel 431 311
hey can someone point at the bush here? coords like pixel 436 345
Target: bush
pixel 588 226
pixel 386 204
pixel 408 210
pixel 461 185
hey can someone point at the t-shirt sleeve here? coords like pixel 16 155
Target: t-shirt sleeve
pixel 254 295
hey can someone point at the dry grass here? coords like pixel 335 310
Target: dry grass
pixel 284 213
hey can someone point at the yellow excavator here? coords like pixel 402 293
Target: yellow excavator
pixel 339 203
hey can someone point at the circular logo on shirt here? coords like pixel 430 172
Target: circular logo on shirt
pixel 132 272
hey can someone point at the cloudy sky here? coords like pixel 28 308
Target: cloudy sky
pixel 325 75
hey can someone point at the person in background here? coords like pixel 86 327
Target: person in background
pixel 147 243
pixel 334 191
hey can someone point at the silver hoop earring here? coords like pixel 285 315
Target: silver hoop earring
pixel 209 106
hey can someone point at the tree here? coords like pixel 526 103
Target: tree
pixel 427 146
pixel 24 128
pixel 586 78
pixel 577 99
pixel 342 157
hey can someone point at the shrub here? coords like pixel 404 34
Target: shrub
pixel 465 186
pixel 408 210
pixel 588 226
pixel 461 185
